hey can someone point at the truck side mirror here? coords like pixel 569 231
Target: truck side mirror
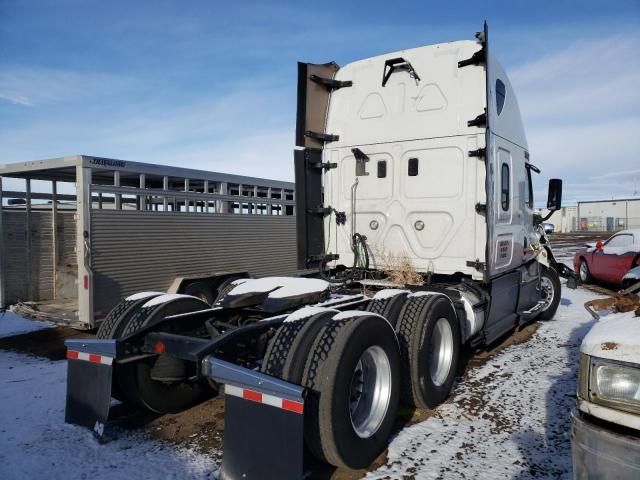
pixel 554 200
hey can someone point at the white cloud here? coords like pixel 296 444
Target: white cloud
pixel 36 86
pixel 580 108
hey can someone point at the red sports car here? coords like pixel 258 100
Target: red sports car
pixel 611 260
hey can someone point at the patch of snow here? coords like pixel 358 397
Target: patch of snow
pixel 281 287
pixel 141 295
pixel 167 297
pixel 633 274
pixel 35 442
pixel 388 293
pixel 13 324
pixel 307 312
pixel 616 337
pixel 508 418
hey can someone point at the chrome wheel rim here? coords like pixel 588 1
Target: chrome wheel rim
pixel 441 352
pixel 547 291
pixel 583 271
pixel 370 391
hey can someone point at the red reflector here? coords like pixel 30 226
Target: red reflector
pixel 86 282
pixel 292 406
pixel 159 347
pixel 251 395
pixel 71 354
pixel 95 358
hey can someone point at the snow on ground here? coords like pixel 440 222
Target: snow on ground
pixel 510 417
pixel 12 324
pixel 36 443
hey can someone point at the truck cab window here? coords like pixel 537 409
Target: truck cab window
pixel 501 93
pixel 504 188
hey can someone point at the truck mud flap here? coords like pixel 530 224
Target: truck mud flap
pixel 264 424
pixel 89 380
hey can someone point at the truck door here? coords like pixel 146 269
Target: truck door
pixel 509 177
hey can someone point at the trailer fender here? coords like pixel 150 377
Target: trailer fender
pixel 264 420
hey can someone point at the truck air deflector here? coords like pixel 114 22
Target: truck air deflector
pixel 309 227
pixel 313 101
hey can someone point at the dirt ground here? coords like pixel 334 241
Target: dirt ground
pixel 202 426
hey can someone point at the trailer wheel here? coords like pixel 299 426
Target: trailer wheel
pixel 353 377
pixel 289 347
pixel 551 291
pixel 429 336
pixel 389 308
pixel 136 379
pixel 112 325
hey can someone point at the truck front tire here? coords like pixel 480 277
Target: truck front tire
pixel 353 377
pixel 551 291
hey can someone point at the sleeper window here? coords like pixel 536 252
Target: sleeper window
pixel 504 188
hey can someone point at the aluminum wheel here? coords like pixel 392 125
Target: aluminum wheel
pixel 370 391
pixel 547 290
pixel 441 352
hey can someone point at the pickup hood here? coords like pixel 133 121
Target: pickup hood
pixel 615 338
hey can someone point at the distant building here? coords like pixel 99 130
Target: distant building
pixel 608 215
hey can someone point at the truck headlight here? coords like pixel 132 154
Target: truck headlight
pixel 615 384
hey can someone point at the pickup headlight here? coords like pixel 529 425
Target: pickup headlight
pixel 615 384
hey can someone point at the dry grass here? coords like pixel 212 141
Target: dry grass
pixel 399 269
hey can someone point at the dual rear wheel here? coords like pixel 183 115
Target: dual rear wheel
pixel 357 366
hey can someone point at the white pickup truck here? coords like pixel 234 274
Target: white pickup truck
pixel 605 435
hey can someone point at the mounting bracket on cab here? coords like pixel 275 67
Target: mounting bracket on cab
pixel 330 83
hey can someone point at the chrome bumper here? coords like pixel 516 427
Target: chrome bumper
pixel 602 453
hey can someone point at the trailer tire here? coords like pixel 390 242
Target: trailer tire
pixel 429 336
pixel 343 426
pixel 135 379
pixel 550 282
pixel 112 325
pixel 389 308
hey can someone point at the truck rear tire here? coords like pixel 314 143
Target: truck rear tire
pixel 116 320
pixel 389 308
pixel 288 349
pixel 136 379
pixel 353 377
pixel 429 336
pixel 551 291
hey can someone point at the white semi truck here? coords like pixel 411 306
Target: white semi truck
pixel 419 155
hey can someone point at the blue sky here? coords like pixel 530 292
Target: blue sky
pixel 212 84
